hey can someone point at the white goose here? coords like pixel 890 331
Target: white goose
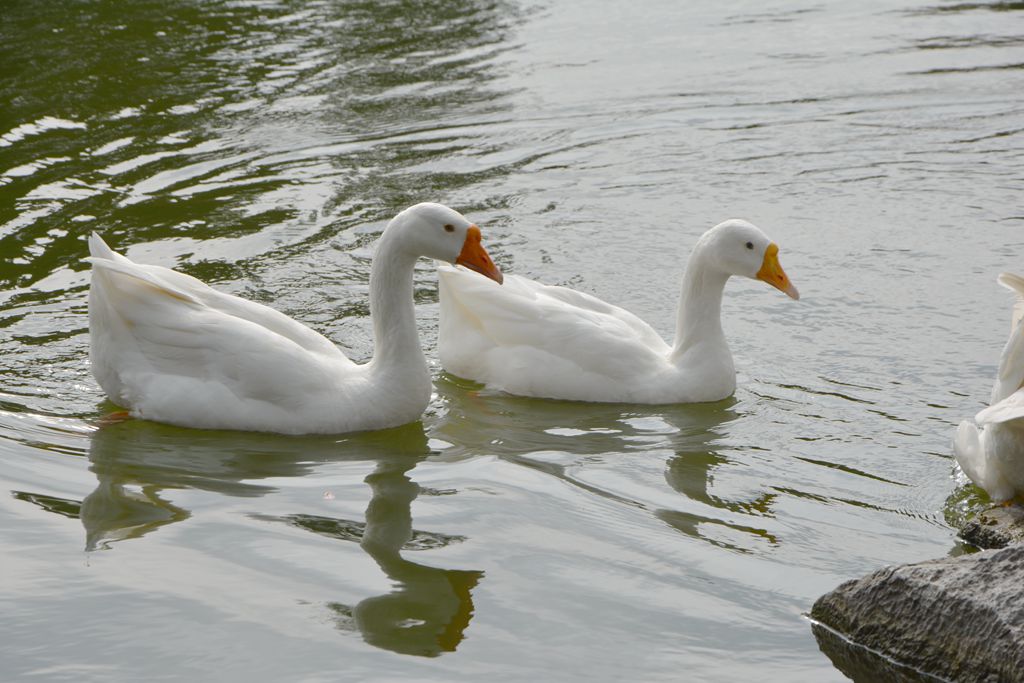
pixel 537 340
pixel 170 349
pixel 993 457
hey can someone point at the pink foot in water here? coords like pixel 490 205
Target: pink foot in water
pixel 114 418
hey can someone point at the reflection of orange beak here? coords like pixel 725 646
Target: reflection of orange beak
pixel 475 257
pixel 772 273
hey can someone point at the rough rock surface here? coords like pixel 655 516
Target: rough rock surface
pixel 995 528
pixel 862 665
pixel 960 618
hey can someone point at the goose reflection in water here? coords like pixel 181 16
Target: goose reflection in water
pixel 135 461
pixel 510 426
pixel 429 608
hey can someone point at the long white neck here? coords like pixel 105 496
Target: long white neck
pixel 699 318
pixel 396 343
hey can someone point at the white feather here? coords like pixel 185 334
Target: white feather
pixel 172 349
pixel 991 454
pixel 531 339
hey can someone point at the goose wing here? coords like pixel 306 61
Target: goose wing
pixel 163 335
pixel 544 320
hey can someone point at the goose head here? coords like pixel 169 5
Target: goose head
pixel 740 248
pixel 438 232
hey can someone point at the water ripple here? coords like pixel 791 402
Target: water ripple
pixel 262 146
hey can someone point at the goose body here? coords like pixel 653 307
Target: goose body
pixel 546 341
pixel 171 349
pixel 990 450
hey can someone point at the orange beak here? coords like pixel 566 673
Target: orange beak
pixel 475 257
pixel 772 273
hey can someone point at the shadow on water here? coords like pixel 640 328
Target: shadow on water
pixel 963 504
pixel 692 474
pixel 862 665
pixel 136 462
pixel 482 421
pixel 429 609
pixel 954 8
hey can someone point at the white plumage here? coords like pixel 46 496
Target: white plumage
pixel 991 450
pixel 169 348
pixel 531 339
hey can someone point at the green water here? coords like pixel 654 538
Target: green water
pixel 262 146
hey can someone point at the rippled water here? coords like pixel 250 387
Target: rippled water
pixel 262 146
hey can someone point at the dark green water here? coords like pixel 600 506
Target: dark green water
pixel 262 146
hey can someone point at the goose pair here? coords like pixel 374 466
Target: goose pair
pixel 169 348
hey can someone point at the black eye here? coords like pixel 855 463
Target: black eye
pixel 750 245
pixel 448 227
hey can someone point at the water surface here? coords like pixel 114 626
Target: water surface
pixel 262 146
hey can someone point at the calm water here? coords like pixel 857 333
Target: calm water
pixel 262 146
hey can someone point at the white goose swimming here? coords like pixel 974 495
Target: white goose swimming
pixel 993 456
pixel 545 341
pixel 171 349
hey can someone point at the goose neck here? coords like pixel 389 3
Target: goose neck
pixel 396 341
pixel 699 318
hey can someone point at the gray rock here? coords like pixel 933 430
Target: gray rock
pixel 958 618
pixel 861 664
pixel 995 528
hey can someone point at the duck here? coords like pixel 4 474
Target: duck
pixel 990 449
pixel 546 341
pixel 169 348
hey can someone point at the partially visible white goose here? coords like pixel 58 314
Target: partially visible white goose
pixel 993 456
pixel 537 340
pixel 171 349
